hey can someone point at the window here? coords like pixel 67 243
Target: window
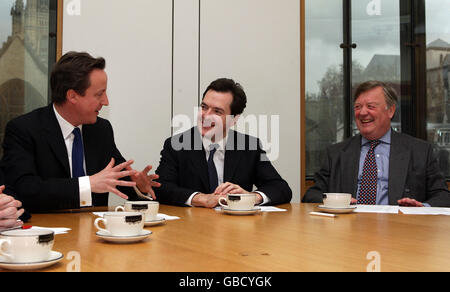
pixel 349 42
pixel 27 51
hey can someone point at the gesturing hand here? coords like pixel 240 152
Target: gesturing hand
pixel 109 178
pixel 144 181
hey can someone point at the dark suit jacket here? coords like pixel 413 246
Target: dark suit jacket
pixel 8 191
pixel 413 172
pixel 2 180
pixel 185 171
pixel 36 162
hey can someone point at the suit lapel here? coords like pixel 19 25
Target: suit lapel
pixel 198 157
pixel 350 166
pixel 398 168
pixel 53 134
pixel 90 144
pixel 232 157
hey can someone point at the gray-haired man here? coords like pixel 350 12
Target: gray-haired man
pixel 380 166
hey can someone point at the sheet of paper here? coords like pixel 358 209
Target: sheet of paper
pixel 167 217
pixel 425 211
pixel 377 209
pixel 57 231
pixel 271 209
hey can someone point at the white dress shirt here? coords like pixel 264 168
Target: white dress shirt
pixel 84 182
pixel 219 162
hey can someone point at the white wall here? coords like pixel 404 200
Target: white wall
pixel 255 42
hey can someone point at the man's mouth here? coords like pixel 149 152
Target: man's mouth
pixel 367 121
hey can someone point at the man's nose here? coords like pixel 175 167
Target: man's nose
pixel 363 111
pixel 106 100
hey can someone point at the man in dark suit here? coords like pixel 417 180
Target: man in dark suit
pixel 381 166
pixel 209 161
pixel 63 156
pixel 9 208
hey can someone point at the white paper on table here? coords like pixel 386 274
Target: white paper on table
pixel 166 217
pixel 271 209
pixel 381 209
pixel 56 230
pixel 425 211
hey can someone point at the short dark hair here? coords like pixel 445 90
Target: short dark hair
pixel 225 85
pixel 72 71
pixel 390 94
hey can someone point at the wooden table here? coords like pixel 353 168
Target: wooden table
pixel 205 240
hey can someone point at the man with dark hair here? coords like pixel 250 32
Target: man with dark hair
pixel 380 166
pixel 209 161
pixel 63 156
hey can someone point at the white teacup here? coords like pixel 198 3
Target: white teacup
pixel 149 208
pixel 121 223
pixel 26 246
pixel 239 202
pixel 337 200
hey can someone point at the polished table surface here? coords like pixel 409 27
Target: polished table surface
pixel 209 241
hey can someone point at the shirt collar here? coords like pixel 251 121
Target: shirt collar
pixel 386 139
pixel 207 142
pixel 66 127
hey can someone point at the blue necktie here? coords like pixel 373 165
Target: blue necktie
pixel 212 171
pixel 77 155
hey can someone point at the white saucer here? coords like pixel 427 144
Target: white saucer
pixel 253 211
pixel 123 239
pixel 55 257
pixel 159 220
pixel 335 210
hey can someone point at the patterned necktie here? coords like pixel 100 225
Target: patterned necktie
pixel 77 155
pixel 212 171
pixel 369 180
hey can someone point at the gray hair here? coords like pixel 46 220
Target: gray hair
pixel 390 94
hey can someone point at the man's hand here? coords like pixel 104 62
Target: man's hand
pixel 229 188
pixel 144 182
pixel 109 178
pixel 8 211
pixel 407 202
pixel 206 200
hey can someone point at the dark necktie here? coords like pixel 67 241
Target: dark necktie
pixel 77 155
pixel 212 171
pixel 369 180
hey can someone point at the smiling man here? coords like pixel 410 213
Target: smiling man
pixel 63 156
pixel 214 160
pixel 380 166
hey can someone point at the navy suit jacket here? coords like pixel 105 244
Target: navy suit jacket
pixel 184 171
pixel 36 162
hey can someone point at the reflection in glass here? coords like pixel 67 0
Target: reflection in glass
pixel 438 79
pixel 324 80
pixel 24 39
pixel 376 31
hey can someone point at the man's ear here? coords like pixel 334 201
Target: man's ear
pixel 234 120
pixel 392 110
pixel 71 96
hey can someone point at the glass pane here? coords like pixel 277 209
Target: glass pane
pixel 24 39
pixel 324 80
pixel 376 31
pixel 438 79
